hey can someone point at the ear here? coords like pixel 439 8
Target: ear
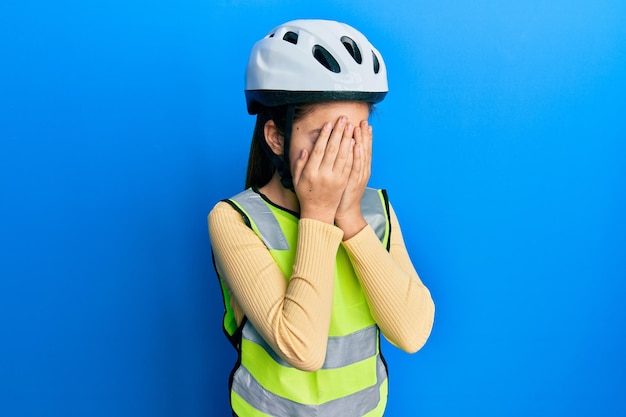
pixel 273 137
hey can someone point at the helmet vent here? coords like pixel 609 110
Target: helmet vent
pixel 376 63
pixel 352 48
pixel 326 59
pixel 291 37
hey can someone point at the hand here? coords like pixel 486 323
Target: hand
pixel 349 217
pixel 320 177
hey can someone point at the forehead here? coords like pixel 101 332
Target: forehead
pixel 355 111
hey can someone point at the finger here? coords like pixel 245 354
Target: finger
pixel 356 156
pixel 367 134
pixel 319 148
pixel 358 134
pixel 357 165
pixel 348 166
pixel 299 166
pixel 358 131
pixel 334 142
pixel 345 149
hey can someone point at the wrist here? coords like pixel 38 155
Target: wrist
pixel 319 215
pixel 350 224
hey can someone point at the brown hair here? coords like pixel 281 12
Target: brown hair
pixel 260 166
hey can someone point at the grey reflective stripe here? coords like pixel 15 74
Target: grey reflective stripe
pixel 357 404
pixel 374 212
pixel 345 350
pixel 270 231
pixel 340 351
pixel 251 334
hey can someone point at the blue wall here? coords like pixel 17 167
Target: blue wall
pixel 502 145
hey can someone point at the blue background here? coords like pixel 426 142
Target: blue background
pixel 501 143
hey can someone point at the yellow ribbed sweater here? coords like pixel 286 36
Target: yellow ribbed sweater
pixel 294 316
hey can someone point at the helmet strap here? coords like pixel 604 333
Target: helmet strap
pixel 285 171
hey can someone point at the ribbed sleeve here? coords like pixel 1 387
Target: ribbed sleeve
pixel 293 315
pixel 400 303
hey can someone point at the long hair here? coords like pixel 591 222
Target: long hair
pixel 260 166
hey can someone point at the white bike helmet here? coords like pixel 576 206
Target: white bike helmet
pixel 311 61
pixel 307 61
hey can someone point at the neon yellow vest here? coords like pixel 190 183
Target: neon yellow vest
pixel 353 379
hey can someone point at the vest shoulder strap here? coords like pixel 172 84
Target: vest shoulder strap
pixel 259 216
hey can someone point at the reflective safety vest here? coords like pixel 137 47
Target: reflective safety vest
pixel 353 379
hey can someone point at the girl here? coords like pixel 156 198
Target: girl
pixel 311 261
